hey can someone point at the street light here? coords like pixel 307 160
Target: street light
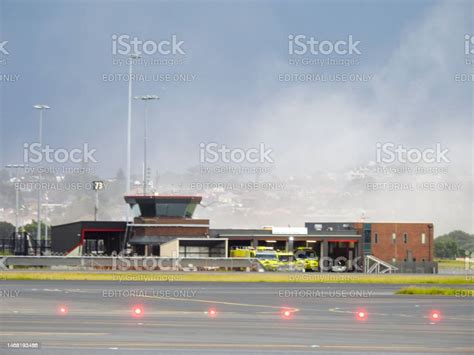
pixel 46 205
pixel 41 108
pixel 146 99
pixel 17 199
pixel 129 128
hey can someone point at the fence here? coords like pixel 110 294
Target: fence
pixel 24 244
pixel 120 263
pixel 415 267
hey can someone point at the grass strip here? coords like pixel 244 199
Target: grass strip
pixel 236 277
pixel 436 291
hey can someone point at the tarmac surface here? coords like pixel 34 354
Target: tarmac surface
pixel 175 318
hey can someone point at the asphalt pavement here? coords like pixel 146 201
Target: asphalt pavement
pixel 57 317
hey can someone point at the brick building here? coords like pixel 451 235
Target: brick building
pixel 402 241
pixel 159 220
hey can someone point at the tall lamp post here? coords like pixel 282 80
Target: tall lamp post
pixel 145 99
pixel 129 129
pixel 46 219
pixel 41 108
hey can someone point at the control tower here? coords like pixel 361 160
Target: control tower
pixel 159 219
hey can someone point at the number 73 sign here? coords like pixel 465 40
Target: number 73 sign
pixel 97 185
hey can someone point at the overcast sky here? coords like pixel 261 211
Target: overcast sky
pixel 236 58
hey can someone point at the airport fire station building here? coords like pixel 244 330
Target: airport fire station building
pixel 164 226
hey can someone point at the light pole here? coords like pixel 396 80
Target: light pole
pixel 97 186
pixel 146 99
pixel 17 192
pixel 46 219
pixel 129 128
pixel 41 108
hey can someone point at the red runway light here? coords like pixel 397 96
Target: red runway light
pixel 286 313
pixel 62 310
pixel 361 314
pixel 137 311
pixel 435 316
pixel 212 312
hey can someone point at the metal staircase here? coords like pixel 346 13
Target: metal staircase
pixel 375 265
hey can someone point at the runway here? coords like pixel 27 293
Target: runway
pixel 99 317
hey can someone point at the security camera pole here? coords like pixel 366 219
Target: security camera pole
pixel 146 99
pixel 41 108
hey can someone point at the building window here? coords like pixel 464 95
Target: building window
pixel 423 238
pixel 394 238
pixel 376 238
pixel 405 238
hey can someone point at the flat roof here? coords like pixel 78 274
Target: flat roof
pixel 163 197
pixel 99 224
pixel 198 240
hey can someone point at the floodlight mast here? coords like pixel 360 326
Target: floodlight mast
pixel 145 99
pixel 41 108
pixel 129 130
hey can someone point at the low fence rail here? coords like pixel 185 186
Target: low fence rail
pixel 128 263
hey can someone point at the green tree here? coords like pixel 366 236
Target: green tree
pixel 454 244
pixel 32 227
pixel 6 230
pixel 440 249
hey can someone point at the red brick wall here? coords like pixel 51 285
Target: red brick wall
pixel 163 229
pixel 386 250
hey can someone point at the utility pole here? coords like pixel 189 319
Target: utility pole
pixel 97 186
pixel 129 131
pixel 145 99
pixel 41 108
